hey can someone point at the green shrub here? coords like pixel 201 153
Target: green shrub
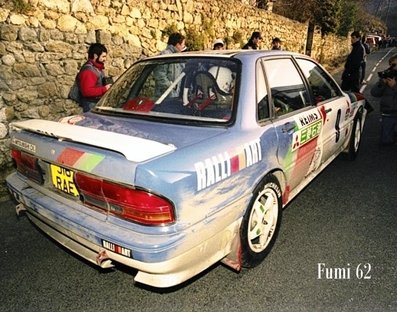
pixel 195 40
pixel 20 6
pixel 169 30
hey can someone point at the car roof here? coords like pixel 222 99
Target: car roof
pixel 226 53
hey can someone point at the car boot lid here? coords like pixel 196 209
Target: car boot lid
pixel 133 148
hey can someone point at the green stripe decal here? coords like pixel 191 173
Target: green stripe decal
pixel 88 162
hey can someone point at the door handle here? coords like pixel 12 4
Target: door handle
pixel 288 127
pixel 328 110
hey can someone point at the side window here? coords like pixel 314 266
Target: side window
pixel 262 99
pixel 322 85
pixel 288 92
pixel 148 88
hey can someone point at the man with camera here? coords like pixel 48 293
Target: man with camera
pixel 386 89
pixel 91 80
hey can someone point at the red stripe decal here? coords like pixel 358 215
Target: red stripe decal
pixel 235 164
pixel 69 156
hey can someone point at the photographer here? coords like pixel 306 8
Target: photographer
pixel 91 80
pixel 386 89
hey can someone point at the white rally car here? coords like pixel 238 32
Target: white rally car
pixel 186 161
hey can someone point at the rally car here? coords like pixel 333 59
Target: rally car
pixel 186 161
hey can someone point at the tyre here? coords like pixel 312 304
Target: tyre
pixel 261 222
pixel 355 138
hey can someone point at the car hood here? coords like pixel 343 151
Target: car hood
pixel 137 140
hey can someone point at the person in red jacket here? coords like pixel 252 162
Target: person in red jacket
pixel 91 78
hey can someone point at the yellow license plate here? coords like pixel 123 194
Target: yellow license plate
pixel 62 179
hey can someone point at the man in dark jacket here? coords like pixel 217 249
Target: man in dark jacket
pixel 352 73
pixel 253 43
pixel 386 89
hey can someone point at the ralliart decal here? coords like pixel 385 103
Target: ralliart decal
pixel 223 165
pixel 117 248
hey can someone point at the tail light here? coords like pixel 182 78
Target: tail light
pixel 27 165
pixel 125 202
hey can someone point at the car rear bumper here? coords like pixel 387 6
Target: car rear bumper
pixel 86 243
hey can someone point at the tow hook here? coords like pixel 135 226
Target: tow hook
pixel 20 209
pixel 102 259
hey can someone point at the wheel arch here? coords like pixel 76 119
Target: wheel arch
pixel 278 173
pixel 280 176
pixel 359 115
pixel 282 180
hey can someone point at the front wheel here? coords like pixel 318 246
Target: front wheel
pixel 260 224
pixel 355 139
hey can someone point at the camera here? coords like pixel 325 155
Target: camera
pixel 387 73
pixel 107 80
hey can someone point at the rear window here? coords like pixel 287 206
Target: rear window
pixel 200 89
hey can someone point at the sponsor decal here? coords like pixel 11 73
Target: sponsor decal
pixel 117 248
pixel 24 145
pixel 304 120
pixel 218 167
pixel 309 127
pixel 275 187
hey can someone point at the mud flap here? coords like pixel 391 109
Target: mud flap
pixel 233 259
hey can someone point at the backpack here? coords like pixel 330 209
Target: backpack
pixel 74 93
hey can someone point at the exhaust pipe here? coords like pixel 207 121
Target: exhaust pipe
pixel 20 209
pixel 102 259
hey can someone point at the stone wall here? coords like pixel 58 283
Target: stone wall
pixel 42 47
pixel 331 51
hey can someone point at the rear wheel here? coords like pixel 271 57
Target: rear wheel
pixel 261 222
pixel 355 138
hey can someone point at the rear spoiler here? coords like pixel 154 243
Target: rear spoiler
pixel 133 148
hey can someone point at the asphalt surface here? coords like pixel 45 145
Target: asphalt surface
pixel 344 223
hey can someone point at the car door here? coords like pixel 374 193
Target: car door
pixel 332 105
pixel 296 121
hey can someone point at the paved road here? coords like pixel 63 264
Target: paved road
pixel 345 223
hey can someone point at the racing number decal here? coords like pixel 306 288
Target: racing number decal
pixel 337 128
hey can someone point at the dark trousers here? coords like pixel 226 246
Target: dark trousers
pixel 389 129
pixel 363 67
pixel 351 82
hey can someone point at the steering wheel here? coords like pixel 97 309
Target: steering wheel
pixel 281 107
